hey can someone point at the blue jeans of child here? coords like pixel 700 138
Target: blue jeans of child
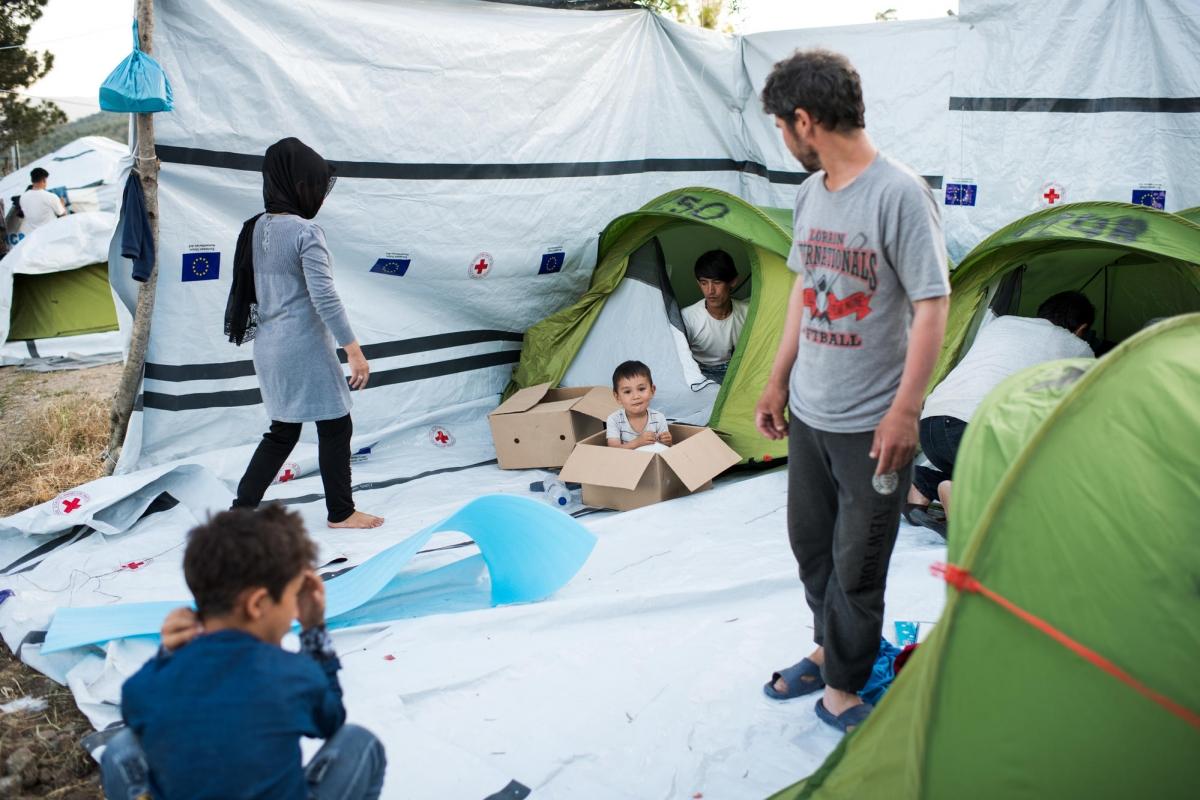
pixel 350 764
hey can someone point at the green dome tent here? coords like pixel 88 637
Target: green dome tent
pixel 643 277
pixel 1077 499
pixel 1134 263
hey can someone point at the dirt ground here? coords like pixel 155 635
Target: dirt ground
pixel 40 414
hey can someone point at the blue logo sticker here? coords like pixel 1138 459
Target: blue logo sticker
pixel 201 267
pixel 360 455
pixel 1153 198
pixel 961 194
pixel 392 266
pixel 552 262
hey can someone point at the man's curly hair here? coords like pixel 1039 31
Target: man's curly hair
pixel 823 83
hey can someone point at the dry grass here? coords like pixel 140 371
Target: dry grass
pixel 56 447
pixel 40 754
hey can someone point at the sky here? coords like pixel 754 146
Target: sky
pixel 90 37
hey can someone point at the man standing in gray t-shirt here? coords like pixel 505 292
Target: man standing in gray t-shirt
pixel 864 327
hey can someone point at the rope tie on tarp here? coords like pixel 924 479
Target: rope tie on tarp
pixel 962 580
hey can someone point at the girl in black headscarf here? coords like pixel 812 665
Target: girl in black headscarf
pixel 284 300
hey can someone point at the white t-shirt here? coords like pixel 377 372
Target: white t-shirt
pixel 1003 347
pixel 712 340
pixel 39 207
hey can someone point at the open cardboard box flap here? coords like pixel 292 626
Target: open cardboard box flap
pixel 598 403
pixel 522 400
pixel 602 465
pixel 699 458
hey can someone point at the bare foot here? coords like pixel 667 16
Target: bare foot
pixel 817 657
pixel 944 495
pixel 358 519
pixel 916 498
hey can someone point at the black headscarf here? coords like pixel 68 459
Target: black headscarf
pixel 296 180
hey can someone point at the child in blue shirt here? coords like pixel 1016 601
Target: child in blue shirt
pixel 220 711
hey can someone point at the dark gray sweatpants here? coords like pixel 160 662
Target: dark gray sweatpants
pixel 842 533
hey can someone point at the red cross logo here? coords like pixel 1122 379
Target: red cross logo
pixel 69 502
pixel 481 265
pixel 1051 193
pixel 440 437
pixel 290 471
pixel 133 565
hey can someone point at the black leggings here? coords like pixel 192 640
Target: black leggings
pixel 333 457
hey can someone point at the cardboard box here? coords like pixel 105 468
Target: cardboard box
pixel 539 426
pixel 628 479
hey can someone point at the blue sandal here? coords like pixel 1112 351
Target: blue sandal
pixel 803 677
pixel 851 717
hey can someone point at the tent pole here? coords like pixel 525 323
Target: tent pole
pixel 147 167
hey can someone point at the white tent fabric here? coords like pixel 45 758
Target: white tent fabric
pixel 498 133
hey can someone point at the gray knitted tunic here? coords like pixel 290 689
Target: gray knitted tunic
pixel 300 322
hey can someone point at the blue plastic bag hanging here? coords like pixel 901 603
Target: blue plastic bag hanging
pixel 137 86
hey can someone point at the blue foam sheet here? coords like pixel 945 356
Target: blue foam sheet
pixel 531 551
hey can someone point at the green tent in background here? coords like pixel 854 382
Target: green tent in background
pixel 1078 501
pixel 1134 263
pixel 67 303
pixel 643 276
pixel 1192 214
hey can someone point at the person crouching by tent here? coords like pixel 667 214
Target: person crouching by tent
pixel 635 424
pixel 283 298
pixel 715 323
pixel 864 325
pixel 1003 347
pixel 220 711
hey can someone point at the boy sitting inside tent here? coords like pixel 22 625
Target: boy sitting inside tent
pixel 635 424
pixel 715 323
pixel 1003 347
pixel 219 712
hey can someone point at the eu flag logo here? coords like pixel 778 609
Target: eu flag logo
pixel 1153 198
pixel 552 262
pixel 960 194
pixel 392 266
pixel 201 266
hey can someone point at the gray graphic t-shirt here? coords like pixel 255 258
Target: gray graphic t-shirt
pixel 865 253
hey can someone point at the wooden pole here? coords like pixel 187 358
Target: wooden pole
pixel 146 164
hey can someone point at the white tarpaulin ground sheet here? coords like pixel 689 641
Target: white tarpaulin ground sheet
pixel 480 150
pixel 641 678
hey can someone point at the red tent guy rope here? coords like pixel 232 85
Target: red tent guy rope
pixel 964 581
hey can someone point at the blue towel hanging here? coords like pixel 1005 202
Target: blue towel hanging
pixel 137 86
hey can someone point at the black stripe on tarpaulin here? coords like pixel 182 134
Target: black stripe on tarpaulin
pixel 513 791
pixel 33 637
pixel 250 397
pixel 401 347
pixel 1079 105
pixel 45 548
pixel 362 487
pixel 171 154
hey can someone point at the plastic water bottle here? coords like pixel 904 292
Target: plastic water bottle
pixel 557 493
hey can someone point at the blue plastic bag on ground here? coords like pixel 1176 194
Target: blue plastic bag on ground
pixel 137 86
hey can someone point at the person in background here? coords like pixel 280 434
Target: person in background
pixel 283 297
pixel 1003 347
pixel 715 323
pixel 635 424
pixel 220 711
pixel 39 205
pixel 864 325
